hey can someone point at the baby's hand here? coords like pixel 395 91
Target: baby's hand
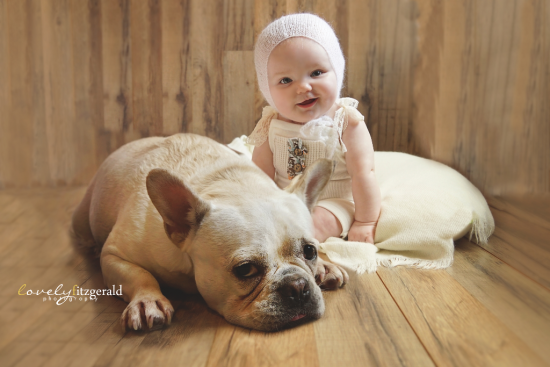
pixel 362 232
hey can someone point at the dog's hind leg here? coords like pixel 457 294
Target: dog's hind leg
pixel 81 231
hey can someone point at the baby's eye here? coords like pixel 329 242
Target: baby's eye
pixel 285 81
pixel 316 73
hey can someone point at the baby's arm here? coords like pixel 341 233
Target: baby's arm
pixel 262 156
pixel 365 190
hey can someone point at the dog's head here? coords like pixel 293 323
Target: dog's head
pixel 254 256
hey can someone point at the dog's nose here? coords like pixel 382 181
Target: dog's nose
pixel 295 291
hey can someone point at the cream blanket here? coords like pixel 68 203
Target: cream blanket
pixel 426 205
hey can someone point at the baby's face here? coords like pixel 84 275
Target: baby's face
pixel 301 80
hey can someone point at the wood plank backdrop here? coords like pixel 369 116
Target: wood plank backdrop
pixel 464 82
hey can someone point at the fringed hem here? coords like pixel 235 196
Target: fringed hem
pixel 368 266
pixel 365 257
pixel 482 229
pixel 397 260
pixel 390 261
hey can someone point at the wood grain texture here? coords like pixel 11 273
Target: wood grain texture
pixel 457 86
pixel 61 129
pixel 88 84
pixel 533 209
pixel 239 78
pixel 234 346
pixel 522 305
pixel 238 16
pixel 455 328
pixel 430 18
pixel 526 208
pixel 207 51
pixel 117 67
pixel 529 252
pixel 188 341
pixel 397 20
pixel 464 82
pixel 264 13
pixel 146 51
pixel 4 94
pixel 362 62
pixel 362 326
pixel 17 130
pixel 492 62
pixel 177 66
pixel 479 312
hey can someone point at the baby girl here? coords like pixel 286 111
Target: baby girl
pixel 300 69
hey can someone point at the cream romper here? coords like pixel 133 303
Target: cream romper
pixel 294 144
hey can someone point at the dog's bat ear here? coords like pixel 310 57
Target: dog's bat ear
pixel 310 185
pixel 180 207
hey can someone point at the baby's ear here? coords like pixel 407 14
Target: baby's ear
pixel 179 206
pixel 309 186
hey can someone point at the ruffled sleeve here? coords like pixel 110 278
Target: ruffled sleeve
pixel 347 110
pixel 261 131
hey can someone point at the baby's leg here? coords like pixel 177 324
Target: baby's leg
pixel 326 224
pixel 333 218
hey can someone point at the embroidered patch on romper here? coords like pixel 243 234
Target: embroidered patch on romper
pixel 296 157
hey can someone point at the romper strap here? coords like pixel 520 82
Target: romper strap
pixel 261 131
pixel 348 108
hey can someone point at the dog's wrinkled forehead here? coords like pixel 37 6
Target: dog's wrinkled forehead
pixel 262 224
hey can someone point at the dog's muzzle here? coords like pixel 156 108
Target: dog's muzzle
pixel 294 291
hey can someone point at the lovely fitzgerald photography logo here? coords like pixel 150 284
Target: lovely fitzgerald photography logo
pixel 70 295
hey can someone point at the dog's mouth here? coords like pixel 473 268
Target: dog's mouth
pixel 298 317
pixel 274 312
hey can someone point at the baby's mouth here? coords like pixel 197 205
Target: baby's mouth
pixel 308 103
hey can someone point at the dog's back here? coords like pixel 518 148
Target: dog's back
pixel 122 175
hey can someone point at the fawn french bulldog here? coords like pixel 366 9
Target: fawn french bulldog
pixel 190 213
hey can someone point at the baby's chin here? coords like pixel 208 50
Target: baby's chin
pixel 302 118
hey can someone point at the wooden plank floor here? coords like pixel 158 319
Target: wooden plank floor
pixel 491 308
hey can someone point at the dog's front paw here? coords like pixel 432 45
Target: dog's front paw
pixel 329 275
pixel 151 310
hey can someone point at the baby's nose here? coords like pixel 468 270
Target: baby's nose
pixel 304 87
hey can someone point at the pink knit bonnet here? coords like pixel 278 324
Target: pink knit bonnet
pixel 296 25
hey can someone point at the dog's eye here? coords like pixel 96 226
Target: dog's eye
pixel 245 270
pixel 310 252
